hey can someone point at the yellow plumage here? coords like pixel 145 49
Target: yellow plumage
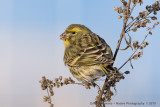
pixel 87 55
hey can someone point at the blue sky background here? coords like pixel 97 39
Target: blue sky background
pixel 31 48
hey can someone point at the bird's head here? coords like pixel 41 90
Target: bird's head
pixel 72 32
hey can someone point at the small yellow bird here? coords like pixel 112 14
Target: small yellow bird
pixel 87 55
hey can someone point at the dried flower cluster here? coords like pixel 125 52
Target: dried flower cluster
pixel 130 23
pixel 136 23
pixel 50 86
pixel 137 2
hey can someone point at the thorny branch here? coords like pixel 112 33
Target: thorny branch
pixel 136 23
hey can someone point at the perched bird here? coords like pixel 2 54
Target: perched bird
pixel 87 55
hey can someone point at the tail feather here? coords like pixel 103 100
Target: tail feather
pixel 109 69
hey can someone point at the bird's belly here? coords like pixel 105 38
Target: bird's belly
pixel 87 73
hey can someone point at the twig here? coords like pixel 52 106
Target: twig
pixel 128 59
pixel 135 50
pixel 117 49
pixel 133 8
pixel 128 27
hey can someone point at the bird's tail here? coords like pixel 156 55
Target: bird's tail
pixel 110 71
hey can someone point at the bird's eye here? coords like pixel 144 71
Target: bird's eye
pixel 73 32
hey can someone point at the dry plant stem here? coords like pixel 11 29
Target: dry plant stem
pixel 101 92
pixel 135 51
pixel 128 27
pixel 133 8
pixel 128 59
pixel 116 52
pixel 99 89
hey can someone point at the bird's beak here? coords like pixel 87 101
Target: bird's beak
pixel 62 36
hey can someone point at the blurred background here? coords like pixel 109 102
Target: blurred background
pixel 30 48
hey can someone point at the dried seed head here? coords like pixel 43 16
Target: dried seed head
pixel 147 7
pixel 131 17
pixel 135 24
pixel 49 81
pixel 120 10
pixel 54 84
pixel 156 23
pixel 119 17
pixel 87 86
pixel 147 43
pixel 122 1
pixel 60 77
pixel 141 2
pixel 127 72
pixel 144 44
pixel 72 81
pixel 141 47
pixel 147 21
pixel 51 87
pixel 148 28
pixel 125 12
pixel 56 79
pixel 49 99
pixel 103 98
pixel 45 98
pixel 135 1
pixel 138 46
pixel 140 54
pixel 155 12
pixel 61 84
pixel 44 86
pixel 135 57
pixel 65 80
pixel 157 3
pixel 115 8
pixel 134 29
pixel 150 33
pixel 51 105
pixel 41 81
pixel 43 78
pixel 57 85
pixel 117 79
pixel 69 79
pixel 135 43
pixel 143 24
pixel 154 18
pixel 141 14
pixel 145 12
pixel 52 93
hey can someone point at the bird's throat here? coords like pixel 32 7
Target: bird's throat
pixel 66 43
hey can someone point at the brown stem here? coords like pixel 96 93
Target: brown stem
pixel 116 52
pixel 135 50
pixel 128 59
pixel 133 8
pixel 101 92
pixel 129 26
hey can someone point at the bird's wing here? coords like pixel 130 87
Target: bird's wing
pixel 94 50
